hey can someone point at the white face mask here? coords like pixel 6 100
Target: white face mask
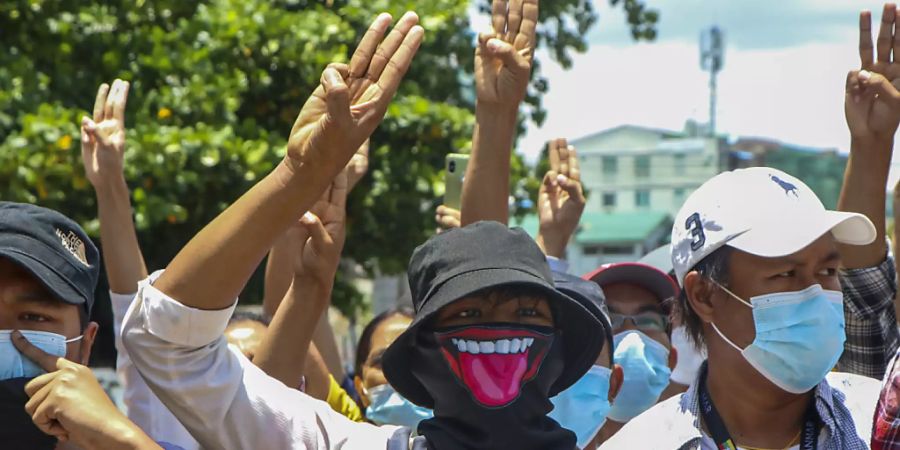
pixel 13 364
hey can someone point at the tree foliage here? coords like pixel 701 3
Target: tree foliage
pixel 216 85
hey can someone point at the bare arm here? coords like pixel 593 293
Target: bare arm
pixel 316 249
pixel 872 108
pixel 503 61
pixel 342 113
pixel 102 151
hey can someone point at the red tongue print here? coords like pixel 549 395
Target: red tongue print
pixel 494 363
pixel 494 379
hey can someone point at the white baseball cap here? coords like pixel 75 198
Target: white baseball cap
pixel 761 211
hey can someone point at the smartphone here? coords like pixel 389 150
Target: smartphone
pixel 453 179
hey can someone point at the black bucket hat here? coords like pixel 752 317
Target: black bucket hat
pixel 487 255
pixel 588 294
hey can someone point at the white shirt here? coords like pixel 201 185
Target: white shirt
pixel 221 397
pixel 143 407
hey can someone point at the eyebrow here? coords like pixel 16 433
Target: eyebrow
pixel 41 298
pixel 832 256
pixel 376 357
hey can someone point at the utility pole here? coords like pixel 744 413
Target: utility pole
pixel 712 59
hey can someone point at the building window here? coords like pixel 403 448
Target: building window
pixel 642 198
pixel 679 163
pixel 609 199
pixel 610 165
pixel 642 166
pixel 608 250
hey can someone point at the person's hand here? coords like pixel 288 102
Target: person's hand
pixel 69 404
pixel 560 200
pixel 447 218
pixel 352 99
pixel 319 237
pixel 358 165
pixel 872 101
pixel 103 137
pixel 503 57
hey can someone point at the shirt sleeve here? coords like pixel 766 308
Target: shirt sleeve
pixel 221 397
pixel 144 408
pixel 557 264
pixel 341 402
pixel 871 324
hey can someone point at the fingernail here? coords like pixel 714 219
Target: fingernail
pixel 308 217
pixel 864 75
pixel 16 334
pixel 493 44
pixel 561 179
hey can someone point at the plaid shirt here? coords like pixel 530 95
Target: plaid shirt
pixel 886 429
pixel 871 325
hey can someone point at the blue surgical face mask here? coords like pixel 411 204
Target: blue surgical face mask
pixel 583 407
pixel 645 366
pixel 16 365
pixel 799 336
pixel 387 407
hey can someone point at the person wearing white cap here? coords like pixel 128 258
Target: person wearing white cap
pixel 757 255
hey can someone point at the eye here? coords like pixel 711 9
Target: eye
pixel 528 312
pixel 32 317
pixel 786 274
pixel 469 313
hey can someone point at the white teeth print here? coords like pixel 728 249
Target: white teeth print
pixel 500 346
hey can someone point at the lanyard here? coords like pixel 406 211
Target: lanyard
pixel 809 439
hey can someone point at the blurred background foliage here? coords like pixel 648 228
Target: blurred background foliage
pixel 216 85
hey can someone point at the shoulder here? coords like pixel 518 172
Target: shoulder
pixel 668 425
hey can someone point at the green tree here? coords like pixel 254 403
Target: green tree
pixel 216 85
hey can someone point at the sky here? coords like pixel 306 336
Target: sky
pixel 785 66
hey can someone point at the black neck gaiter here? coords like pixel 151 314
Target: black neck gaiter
pixel 490 385
pixel 17 431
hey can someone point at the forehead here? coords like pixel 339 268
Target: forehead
pixel 19 285
pixel 386 332
pixel 629 298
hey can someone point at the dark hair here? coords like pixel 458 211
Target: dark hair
pixel 241 315
pixel 364 346
pixel 715 267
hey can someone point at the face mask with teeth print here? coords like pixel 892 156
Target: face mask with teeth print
pixel 493 362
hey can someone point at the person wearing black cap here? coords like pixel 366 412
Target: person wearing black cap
pixel 48 273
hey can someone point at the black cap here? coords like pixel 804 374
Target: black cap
pixel 588 294
pixel 53 248
pixel 485 255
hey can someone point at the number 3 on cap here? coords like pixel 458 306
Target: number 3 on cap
pixel 695 226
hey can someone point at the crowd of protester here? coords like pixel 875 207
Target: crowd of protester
pixel 768 323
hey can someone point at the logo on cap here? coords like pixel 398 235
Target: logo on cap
pixel 788 187
pixel 73 244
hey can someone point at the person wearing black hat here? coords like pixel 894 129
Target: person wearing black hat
pixel 48 273
pixel 491 342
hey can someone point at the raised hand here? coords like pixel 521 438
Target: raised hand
pixel 103 137
pixel 872 102
pixel 560 199
pixel 319 237
pixel 503 57
pixel 352 99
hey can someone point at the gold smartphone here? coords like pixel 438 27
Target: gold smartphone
pixel 453 179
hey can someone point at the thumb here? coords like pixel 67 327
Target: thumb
pixel 878 84
pixel 337 95
pixel 506 52
pixel 43 359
